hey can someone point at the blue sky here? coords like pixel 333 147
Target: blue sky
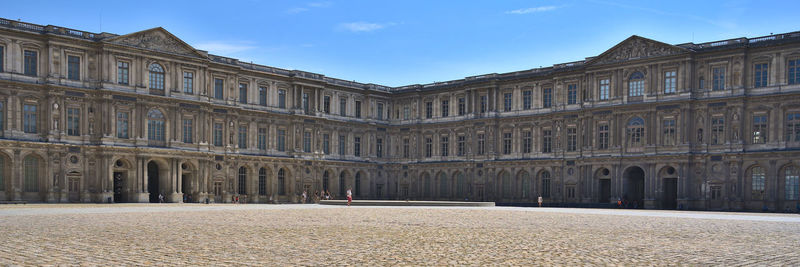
pixel 397 43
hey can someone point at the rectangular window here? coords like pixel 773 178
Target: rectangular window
pixel 760 75
pixel 526 99
pixel 307 142
pixel 604 88
pixel 792 186
pixel 444 146
pixel 73 68
pixel 326 144
pixel 358 109
pixel 73 121
pixel 445 108
pixel 122 72
pixel 546 186
pixel 717 130
pixel 547 97
pixel 484 101
pixel 31 59
pixel 669 132
pixel 305 104
pixel 379 147
pixel 122 125
pixel 262 138
pixel 29 119
pixel 718 79
pixel 506 143
pixel 572 94
pixel 243 93
pixel 602 136
pixel 406 148
pixel 342 145
pixel 547 141
pixel 281 140
pixel 462 106
pixel 462 145
pixel 187 131
pixel 481 144
pixel 342 106
pixel 188 82
pixel 758 177
pixel 326 104
pixel 793 127
pixel 760 129
pixel 571 191
pixel 218 88
pixel 428 110
pixel 507 101
pixel 428 147
pixel 702 83
pixel 262 96
pixel 572 139
pixel 527 142
pixel 406 113
pixel 794 71
pixel 357 146
pixel 716 192
pixel 217 134
pixel 380 111
pixel 281 98
pixel 243 137
pixel 670 82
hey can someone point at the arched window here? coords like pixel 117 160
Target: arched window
pixel 757 183
pixel 155 125
pixel 262 182
pixel 281 182
pixel 525 177
pixel 358 184
pixel 635 131
pixel 545 176
pixel 461 184
pixel 242 180
pixel 636 84
pixel 31 166
pixel 506 184
pixel 342 184
pixel 325 181
pixel 443 190
pixel 792 177
pixel 156 77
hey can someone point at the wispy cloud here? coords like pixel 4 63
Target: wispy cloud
pixel 531 10
pixel 718 23
pixel 225 48
pixel 364 26
pixel 309 6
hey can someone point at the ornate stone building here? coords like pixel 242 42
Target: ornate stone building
pixel 90 117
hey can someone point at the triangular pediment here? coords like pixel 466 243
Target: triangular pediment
pixel 156 39
pixel 636 47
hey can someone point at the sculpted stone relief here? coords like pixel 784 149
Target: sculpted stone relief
pixel 156 40
pixel 638 48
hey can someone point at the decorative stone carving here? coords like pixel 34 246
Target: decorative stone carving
pixel 157 40
pixel 638 47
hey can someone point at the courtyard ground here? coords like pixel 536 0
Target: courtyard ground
pixel 197 234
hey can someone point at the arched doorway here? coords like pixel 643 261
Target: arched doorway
pixel 634 186
pixel 187 182
pixel 603 177
pixel 152 181
pixel 669 199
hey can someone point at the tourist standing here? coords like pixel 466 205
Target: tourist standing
pixel 304 197
pixel 540 200
pixel 160 198
pixel 349 196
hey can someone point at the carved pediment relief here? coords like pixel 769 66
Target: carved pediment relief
pixel 156 39
pixel 636 47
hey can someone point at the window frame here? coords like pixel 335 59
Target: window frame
pixel 73 67
pixel 188 82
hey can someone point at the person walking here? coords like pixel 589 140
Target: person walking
pixel 305 195
pixel 349 196
pixel 160 198
pixel 540 200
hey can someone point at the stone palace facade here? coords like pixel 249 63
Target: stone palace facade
pixel 93 117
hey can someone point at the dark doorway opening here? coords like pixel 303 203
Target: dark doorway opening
pixel 670 198
pixel 186 187
pixel 152 181
pixel 634 187
pixel 119 181
pixel 605 190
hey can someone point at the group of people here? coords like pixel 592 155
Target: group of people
pixel 624 203
pixel 324 195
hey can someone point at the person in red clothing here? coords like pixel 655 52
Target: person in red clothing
pixel 349 196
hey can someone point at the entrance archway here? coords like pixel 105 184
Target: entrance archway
pixel 152 181
pixel 634 186
pixel 603 176
pixel 669 199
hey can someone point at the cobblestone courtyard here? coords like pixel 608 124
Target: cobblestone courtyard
pixel 180 234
